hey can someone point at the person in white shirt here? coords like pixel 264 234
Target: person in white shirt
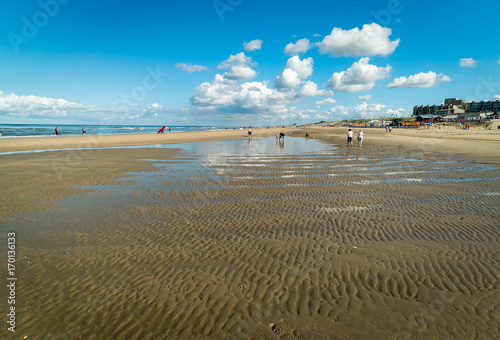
pixel 349 137
pixel 360 137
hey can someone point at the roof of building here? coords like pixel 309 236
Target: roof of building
pixel 429 116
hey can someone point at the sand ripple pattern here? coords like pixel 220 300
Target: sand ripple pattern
pixel 336 245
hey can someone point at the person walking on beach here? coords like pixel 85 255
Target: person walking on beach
pixel 169 128
pixel 57 131
pixel 349 137
pixel 84 132
pixel 250 132
pixel 360 138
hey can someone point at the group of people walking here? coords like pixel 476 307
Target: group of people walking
pixel 350 134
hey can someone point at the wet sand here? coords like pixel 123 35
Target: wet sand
pixel 382 242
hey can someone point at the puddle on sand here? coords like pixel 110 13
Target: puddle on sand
pixel 263 163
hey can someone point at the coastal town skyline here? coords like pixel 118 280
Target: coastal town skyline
pixel 233 62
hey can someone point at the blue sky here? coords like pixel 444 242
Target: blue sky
pixel 241 62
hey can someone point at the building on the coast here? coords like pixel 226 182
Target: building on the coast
pixel 428 118
pixel 455 106
pixel 455 101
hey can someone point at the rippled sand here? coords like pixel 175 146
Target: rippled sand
pixel 334 244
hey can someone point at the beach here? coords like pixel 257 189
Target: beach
pixel 214 235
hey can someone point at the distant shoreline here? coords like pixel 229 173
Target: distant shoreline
pixel 97 141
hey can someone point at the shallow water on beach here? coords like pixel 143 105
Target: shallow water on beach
pixel 253 239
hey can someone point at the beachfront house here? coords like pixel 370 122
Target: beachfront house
pixel 427 118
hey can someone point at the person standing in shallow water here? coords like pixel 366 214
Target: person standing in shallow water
pixel 57 131
pixel 360 138
pixel 349 137
pixel 84 132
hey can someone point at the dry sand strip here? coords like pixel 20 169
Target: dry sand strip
pixel 89 141
pixel 477 145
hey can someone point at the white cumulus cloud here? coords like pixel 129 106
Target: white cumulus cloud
pixel 420 80
pixel 191 68
pixel 34 106
pixel 310 89
pixel 304 68
pixel 239 58
pixel 227 95
pixel 371 40
pixel 301 46
pixel 468 62
pixel 367 97
pixel 295 72
pixel 240 72
pixel 365 110
pixel 288 78
pixel 253 45
pixel 361 76
pixel 326 101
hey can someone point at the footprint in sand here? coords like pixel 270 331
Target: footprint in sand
pixel 278 329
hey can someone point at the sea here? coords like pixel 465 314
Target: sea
pixel 46 130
